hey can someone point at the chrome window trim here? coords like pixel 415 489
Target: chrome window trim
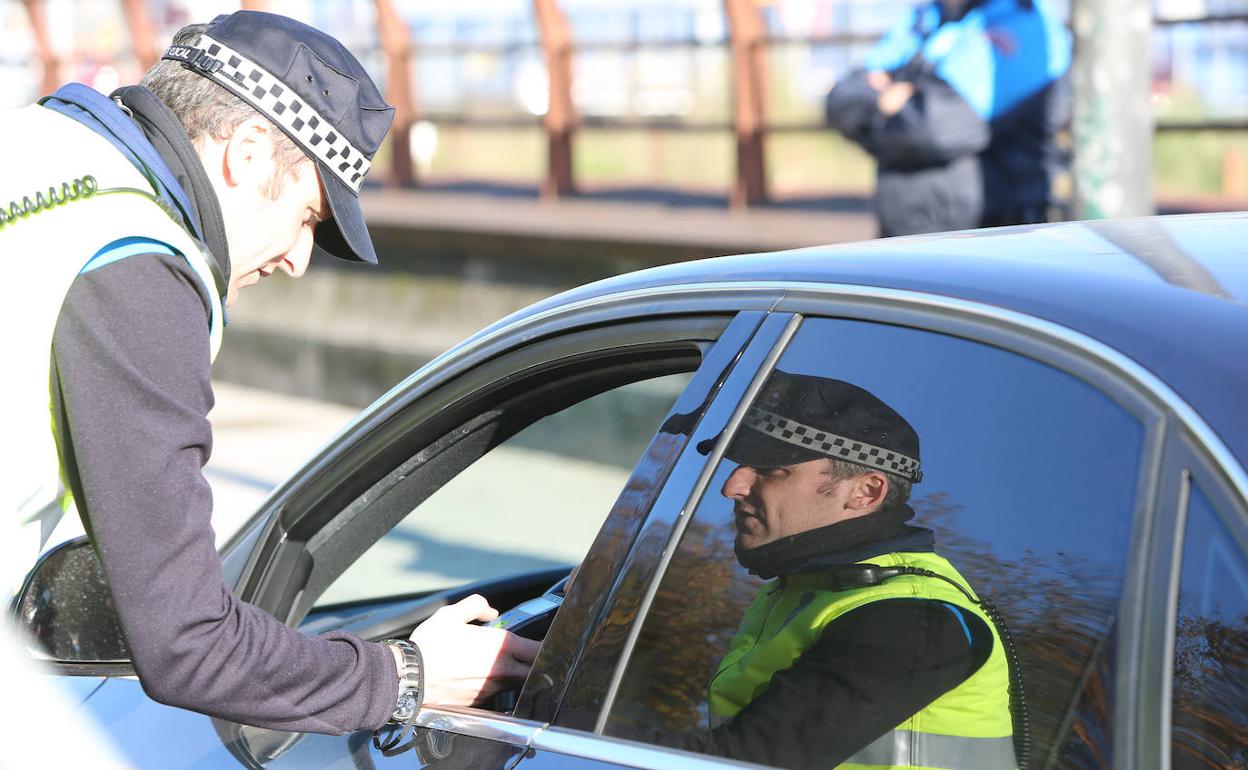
pixel 618 751
pixel 478 724
pixel 1171 613
pixel 764 292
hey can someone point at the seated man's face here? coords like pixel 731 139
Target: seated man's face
pixel 771 503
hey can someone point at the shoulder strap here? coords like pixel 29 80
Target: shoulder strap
pixel 83 104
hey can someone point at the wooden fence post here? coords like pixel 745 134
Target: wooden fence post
pixel 142 32
pixel 748 37
pixel 396 42
pixel 560 115
pixel 43 42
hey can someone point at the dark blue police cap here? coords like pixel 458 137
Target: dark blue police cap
pixel 801 417
pixel 315 91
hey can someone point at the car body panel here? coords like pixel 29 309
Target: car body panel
pixel 1064 273
pixel 1148 312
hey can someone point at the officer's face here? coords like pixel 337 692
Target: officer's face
pixel 771 503
pixel 281 236
pixel 269 214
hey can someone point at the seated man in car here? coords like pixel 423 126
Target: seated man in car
pixel 866 647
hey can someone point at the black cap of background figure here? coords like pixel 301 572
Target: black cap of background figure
pixel 801 417
pixel 312 88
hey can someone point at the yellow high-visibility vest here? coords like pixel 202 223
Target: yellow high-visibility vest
pixel 968 728
pixel 66 194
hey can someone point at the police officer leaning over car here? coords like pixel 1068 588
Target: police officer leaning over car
pixel 135 220
pixel 866 648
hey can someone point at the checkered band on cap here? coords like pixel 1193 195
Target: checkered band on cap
pixel 837 447
pixel 277 102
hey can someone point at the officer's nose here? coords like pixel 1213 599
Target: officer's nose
pixel 296 261
pixel 739 482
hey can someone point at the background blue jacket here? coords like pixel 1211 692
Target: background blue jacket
pixel 976 144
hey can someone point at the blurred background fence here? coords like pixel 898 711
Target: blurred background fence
pixel 715 97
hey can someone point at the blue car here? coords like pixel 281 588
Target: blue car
pixel 1079 390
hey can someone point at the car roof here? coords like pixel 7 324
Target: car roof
pixel 1167 292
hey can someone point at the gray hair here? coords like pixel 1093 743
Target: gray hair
pixel 839 470
pixel 207 109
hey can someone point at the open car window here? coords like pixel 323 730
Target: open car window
pixel 496 481
pixel 532 504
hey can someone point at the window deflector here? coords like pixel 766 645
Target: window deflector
pixel 721 441
pixel 406 490
pixel 282 576
pixel 580 613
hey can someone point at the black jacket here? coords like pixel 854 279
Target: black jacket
pixel 942 167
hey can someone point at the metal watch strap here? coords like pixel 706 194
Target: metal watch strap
pixel 411 681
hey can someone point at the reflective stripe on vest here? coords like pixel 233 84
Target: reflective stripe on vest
pixel 44 252
pixel 906 748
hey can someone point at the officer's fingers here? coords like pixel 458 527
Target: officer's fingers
pixel 465 610
pixel 520 649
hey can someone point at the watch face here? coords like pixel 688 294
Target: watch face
pixel 405 706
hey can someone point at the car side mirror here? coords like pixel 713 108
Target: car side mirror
pixel 66 608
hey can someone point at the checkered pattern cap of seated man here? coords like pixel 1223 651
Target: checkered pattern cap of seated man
pixel 801 417
pixel 312 88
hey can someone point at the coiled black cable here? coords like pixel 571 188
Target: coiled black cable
pixel 1019 715
pixel 83 187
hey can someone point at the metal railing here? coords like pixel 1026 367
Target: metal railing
pixel 748 47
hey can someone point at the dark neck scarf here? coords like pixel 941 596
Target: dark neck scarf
pixel 166 133
pixel 844 542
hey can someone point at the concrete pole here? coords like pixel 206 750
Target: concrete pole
pixel 556 35
pixel 748 33
pixel 396 42
pixel 43 42
pixel 1113 119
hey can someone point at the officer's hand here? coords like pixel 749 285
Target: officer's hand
pixel 879 79
pixel 466 664
pixel 894 97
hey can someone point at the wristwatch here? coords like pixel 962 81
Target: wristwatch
pixel 411 681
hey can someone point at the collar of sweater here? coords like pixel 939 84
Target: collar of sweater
pixel 845 542
pixel 168 136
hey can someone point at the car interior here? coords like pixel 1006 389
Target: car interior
pixel 528 599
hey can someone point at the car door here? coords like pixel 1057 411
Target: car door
pixel 1041 451
pixel 530 434
pixel 400 466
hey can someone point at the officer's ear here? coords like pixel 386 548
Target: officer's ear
pixel 248 156
pixel 867 492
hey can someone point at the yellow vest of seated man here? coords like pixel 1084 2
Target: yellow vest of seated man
pixel 967 727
